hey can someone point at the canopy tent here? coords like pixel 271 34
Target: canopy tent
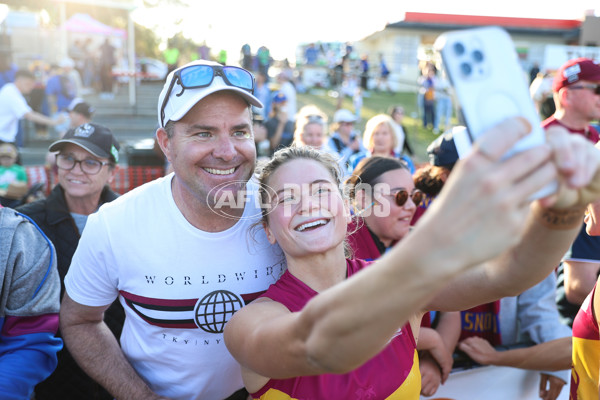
pixel 128 5
pixel 83 23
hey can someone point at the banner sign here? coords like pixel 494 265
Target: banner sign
pixel 492 383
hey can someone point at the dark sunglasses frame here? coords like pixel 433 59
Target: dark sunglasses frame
pixel 81 163
pixel 217 70
pixel 594 88
pixel 402 195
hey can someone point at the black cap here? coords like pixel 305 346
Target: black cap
pixel 95 138
pixel 84 109
pixel 442 151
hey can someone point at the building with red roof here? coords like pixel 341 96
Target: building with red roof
pixel 407 44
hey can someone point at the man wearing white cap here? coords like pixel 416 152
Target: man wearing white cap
pixel 178 251
pixel 344 141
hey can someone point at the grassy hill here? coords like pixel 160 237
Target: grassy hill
pixel 375 103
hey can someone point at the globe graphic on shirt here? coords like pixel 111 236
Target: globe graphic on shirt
pixel 214 310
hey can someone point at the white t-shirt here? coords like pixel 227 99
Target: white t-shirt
pixel 177 284
pixel 13 107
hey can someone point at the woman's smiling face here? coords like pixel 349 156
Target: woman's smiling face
pixel 310 215
pixel 387 220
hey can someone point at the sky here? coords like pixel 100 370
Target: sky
pixel 282 25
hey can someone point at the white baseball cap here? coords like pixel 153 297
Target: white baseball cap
pixel 177 106
pixel 343 115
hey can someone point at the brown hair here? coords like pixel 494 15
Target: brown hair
pixel 368 171
pixel 430 179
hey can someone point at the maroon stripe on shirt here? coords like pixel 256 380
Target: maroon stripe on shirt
pixel 17 326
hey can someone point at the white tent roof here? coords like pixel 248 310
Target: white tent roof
pixel 83 23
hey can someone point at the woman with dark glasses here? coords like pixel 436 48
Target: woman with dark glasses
pixel 333 327
pixel 383 195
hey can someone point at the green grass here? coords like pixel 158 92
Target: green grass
pixel 376 103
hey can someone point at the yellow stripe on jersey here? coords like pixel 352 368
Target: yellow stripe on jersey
pixel 584 372
pixel 411 387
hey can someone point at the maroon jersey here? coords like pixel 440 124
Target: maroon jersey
pixel 391 374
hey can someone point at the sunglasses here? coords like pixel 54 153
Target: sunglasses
pixel 314 118
pixel 199 76
pixel 595 88
pixel 402 195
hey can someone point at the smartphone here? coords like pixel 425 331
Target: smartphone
pixel 489 84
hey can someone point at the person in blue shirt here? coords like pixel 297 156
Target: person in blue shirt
pixel 60 92
pixel 264 94
pixel 7 70
pixel 311 54
pixel 280 125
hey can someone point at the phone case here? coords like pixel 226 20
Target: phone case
pixel 489 84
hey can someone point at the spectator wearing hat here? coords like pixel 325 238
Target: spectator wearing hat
pixel 178 252
pixel 576 89
pixel 344 142
pixel 86 161
pixel 280 125
pixel 13 107
pixel 80 113
pixel 311 127
pixel 430 178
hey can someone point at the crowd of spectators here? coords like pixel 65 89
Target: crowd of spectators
pixel 84 154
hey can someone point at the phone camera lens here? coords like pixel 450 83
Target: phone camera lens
pixel 477 55
pixel 459 48
pixel 466 68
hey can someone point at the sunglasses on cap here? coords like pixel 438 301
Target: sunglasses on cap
pixel 199 76
pixel 402 196
pixel 594 88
